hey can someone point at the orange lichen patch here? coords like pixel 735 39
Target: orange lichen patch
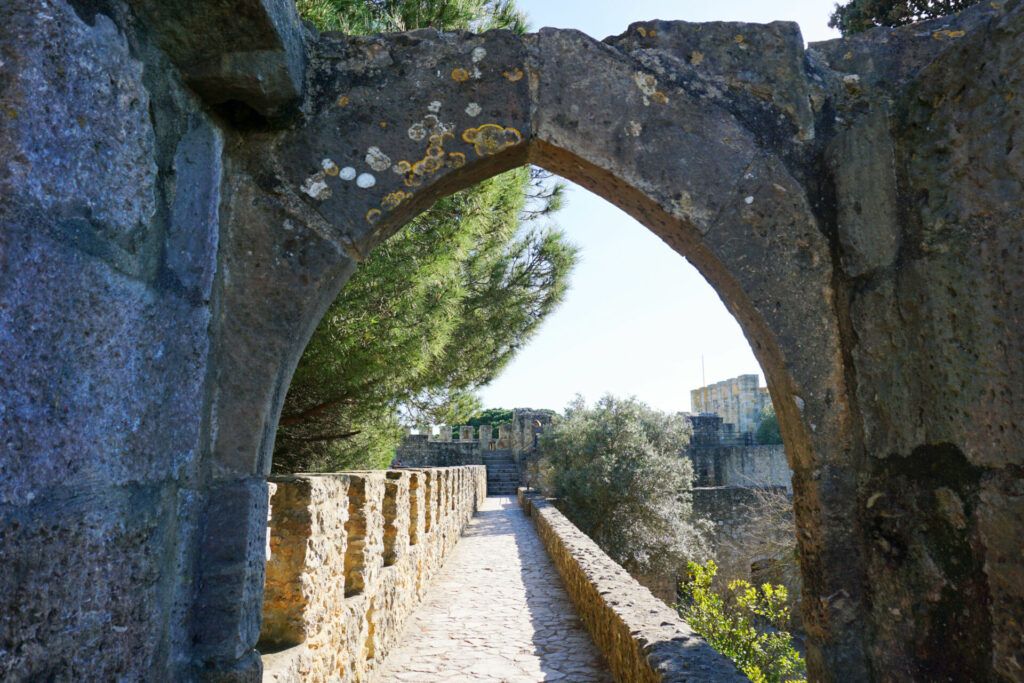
pixel 456 159
pixel 329 167
pixel 642 31
pixel 434 156
pixel 383 124
pixel 460 75
pixel 659 97
pixel 372 216
pixel 513 75
pixel 392 200
pixel 696 57
pixel 343 101
pixel 491 138
pixel 739 38
pixel 946 33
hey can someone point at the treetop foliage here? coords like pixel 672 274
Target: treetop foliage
pixel 362 17
pixel 860 15
pixel 768 430
pixel 435 312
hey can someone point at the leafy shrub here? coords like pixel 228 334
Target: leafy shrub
pixel 618 475
pixel 748 626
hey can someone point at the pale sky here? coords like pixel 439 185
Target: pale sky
pixel 638 317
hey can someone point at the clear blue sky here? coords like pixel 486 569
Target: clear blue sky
pixel 638 317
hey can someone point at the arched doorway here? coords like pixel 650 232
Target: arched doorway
pixel 426 114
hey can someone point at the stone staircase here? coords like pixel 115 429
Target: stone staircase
pixel 502 473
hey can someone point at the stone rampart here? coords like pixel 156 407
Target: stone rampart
pixel 418 450
pixel 750 465
pixel 641 638
pixel 349 557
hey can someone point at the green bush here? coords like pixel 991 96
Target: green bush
pixel 748 626
pixel 617 473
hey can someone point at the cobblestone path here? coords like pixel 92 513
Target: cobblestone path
pixel 496 612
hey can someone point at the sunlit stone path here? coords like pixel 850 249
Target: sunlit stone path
pixel 497 611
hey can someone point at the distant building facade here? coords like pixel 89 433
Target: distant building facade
pixel 739 401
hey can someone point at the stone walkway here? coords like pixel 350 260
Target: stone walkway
pixel 496 612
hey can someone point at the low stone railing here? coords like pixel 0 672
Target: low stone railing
pixel 349 557
pixel 641 637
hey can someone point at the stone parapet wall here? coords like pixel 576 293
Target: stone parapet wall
pixel 418 451
pixel 350 556
pixel 727 465
pixel 641 638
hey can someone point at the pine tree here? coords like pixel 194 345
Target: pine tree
pixel 440 308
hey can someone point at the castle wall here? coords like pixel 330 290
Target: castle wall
pixel 739 401
pixel 721 457
pixel 754 465
pixel 418 450
pixel 350 556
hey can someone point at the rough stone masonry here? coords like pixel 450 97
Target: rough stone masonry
pixel 186 184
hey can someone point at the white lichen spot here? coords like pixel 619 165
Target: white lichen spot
pixel 377 160
pixel 347 173
pixel 417 132
pixel 648 85
pixel 473 109
pixel 316 186
pixel 477 74
pixel 633 128
pixel 748 200
pixel 329 167
pixel 478 54
pixel 366 180
pixel 434 106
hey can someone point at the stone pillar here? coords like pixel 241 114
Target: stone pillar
pixel 466 433
pixel 485 436
pixel 444 433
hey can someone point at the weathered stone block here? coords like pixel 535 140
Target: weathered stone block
pixel 88 572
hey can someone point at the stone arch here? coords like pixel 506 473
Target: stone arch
pixel 390 124
pixel 141 401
